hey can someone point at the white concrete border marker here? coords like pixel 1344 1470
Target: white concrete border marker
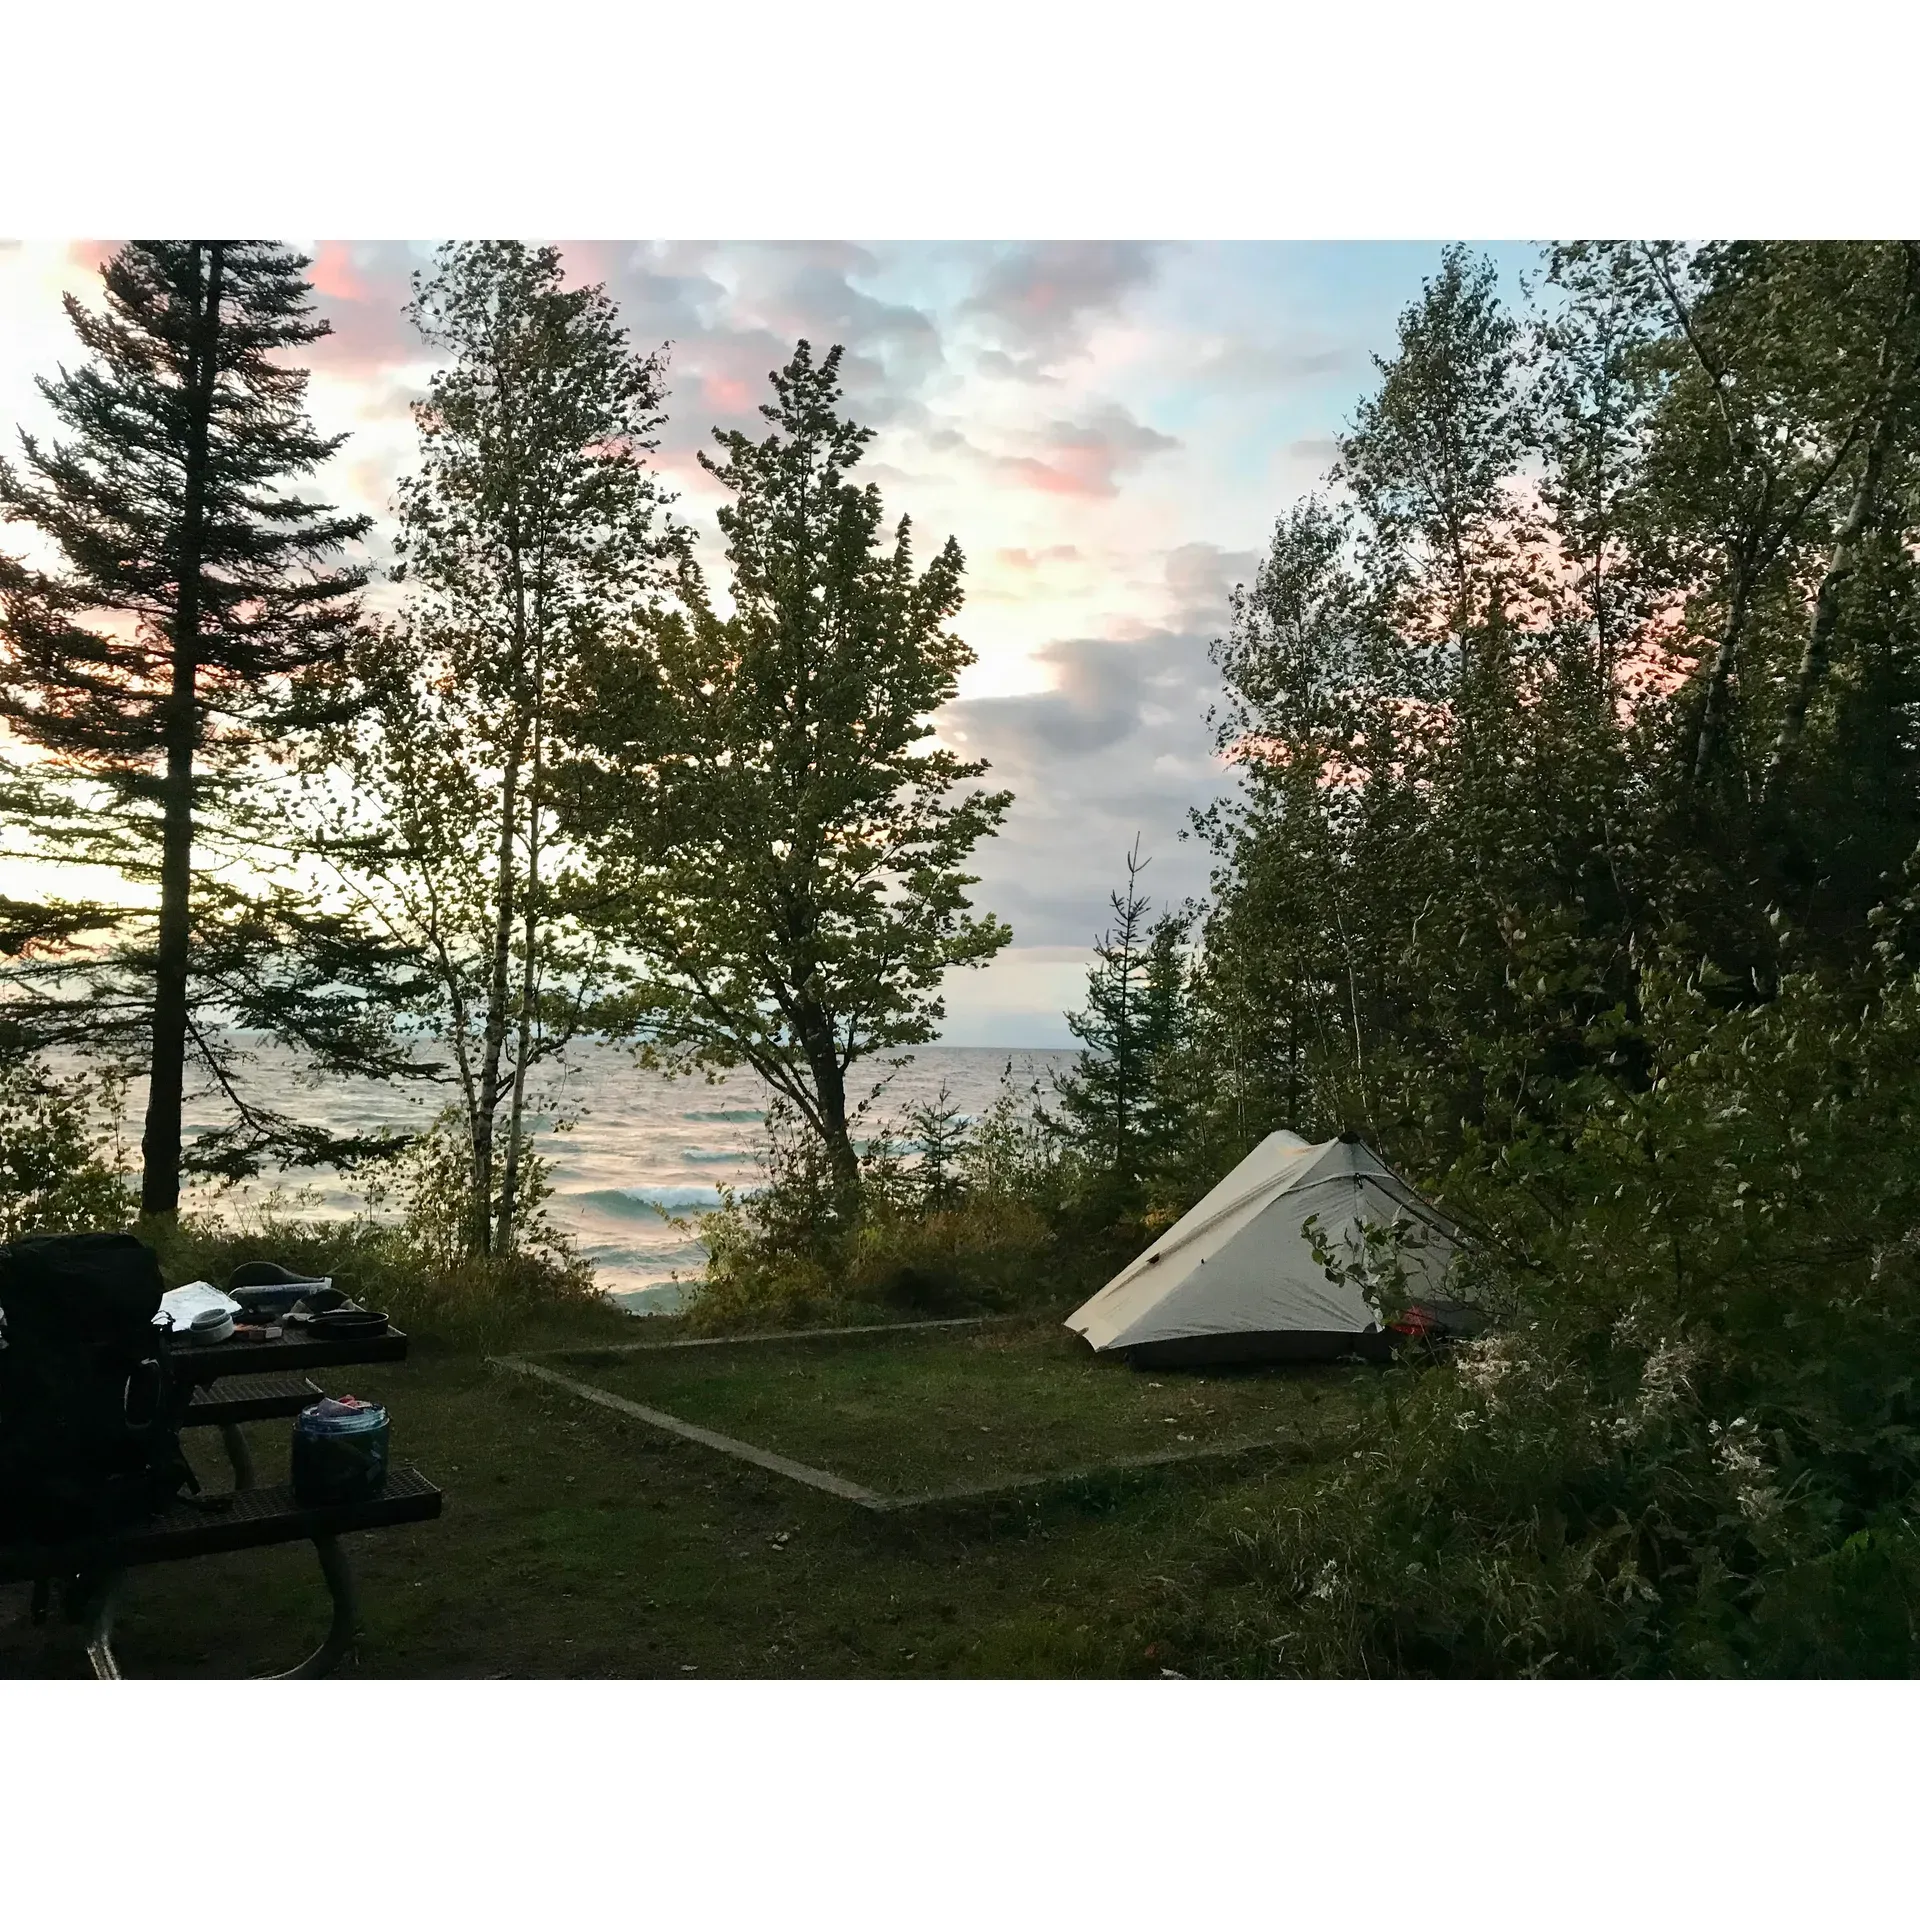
pixel 702 1436
pixel 754 1339
pixel 851 1490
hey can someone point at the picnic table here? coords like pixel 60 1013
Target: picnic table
pixel 230 1384
pixel 235 1382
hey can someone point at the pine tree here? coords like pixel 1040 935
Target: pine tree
pixel 158 661
pixel 1114 1104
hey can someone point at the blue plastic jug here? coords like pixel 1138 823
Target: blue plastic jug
pixel 340 1452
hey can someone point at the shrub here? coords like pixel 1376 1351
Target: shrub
pixel 430 1179
pixel 981 1253
pixel 1693 1445
pixel 60 1168
pixel 475 1305
pixel 952 1216
pixel 413 1263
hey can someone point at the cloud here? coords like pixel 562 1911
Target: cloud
pixel 1320 449
pixel 361 288
pixel 1118 745
pixel 89 256
pixel 1037 302
pixel 735 312
pixel 1200 576
pixel 1093 704
pixel 1242 364
pixel 1084 457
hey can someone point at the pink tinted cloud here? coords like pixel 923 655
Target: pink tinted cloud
pixel 1086 477
pixel 1085 458
pixel 89 256
pixel 362 289
pixel 1041 298
pixel 334 273
pixel 727 392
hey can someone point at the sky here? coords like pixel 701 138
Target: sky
pixel 1108 428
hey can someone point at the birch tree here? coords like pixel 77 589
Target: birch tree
pixel 533 524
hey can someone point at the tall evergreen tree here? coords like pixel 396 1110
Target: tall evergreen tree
pixel 157 663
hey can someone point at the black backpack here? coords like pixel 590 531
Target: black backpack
pixel 89 1410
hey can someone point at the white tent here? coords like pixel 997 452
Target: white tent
pixel 1234 1278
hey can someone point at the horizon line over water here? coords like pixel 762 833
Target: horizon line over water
pixel 637 1158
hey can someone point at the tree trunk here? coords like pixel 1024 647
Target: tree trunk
pixel 830 1091
pixel 1713 707
pixel 1826 608
pixel 499 971
pixel 493 1043
pixel 510 1175
pixel 166 1084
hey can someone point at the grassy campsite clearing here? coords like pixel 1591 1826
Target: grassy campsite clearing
pixel 923 1414
pixel 578 1543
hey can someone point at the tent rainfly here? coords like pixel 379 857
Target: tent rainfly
pixel 1235 1278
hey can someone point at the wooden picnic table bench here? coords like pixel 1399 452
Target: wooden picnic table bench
pixel 90 1571
pixel 228 1404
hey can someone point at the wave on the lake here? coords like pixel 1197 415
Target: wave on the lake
pixel 664 1296
pixel 636 1202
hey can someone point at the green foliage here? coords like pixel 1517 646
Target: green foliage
pixel 414 1269
pixel 1692 1445
pixel 777 843
pixel 1578 751
pixel 59 1163
pixel 156 671
pixel 1470 729
pixel 534 527
pixel 429 1182
pixel 1119 1111
pixel 952 1218
pixel 936 1131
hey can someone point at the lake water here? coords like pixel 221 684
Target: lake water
pixel 630 1142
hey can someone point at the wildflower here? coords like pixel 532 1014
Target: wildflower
pixel 1665 1377
pixel 1743 1462
pixel 1485 1365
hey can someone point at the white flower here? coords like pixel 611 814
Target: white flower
pixel 1743 1461
pixel 1664 1380
pixel 1485 1365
